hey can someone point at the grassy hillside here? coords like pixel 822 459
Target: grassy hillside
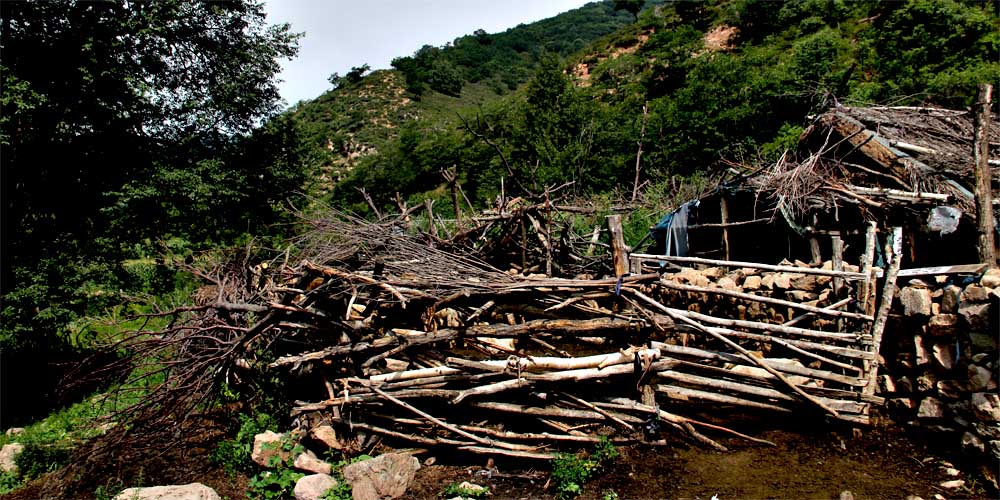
pixel 724 78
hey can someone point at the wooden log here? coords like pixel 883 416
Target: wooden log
pixel 768 327
pixel 835 305
pixel 628 404
pixel 837 245
pixel 867 261
pixel 974 269
pixel 543 436
pixel 610 416
pixel 551 411
pixel 685 394
pixel 984 191
pixel 848 275
pixel 724 214
pixel 760 298
pixel 431 226
pixel 888 293
pixel 818 357
pixel 534 455
pixel 506 385
pixel 739 349
pixel 619 253
pixel 783 367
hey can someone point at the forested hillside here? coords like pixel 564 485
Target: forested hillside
pixel 721 79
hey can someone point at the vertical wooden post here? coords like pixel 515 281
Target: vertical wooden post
pixel 895 256
pixel 431 227
pixel 724 211
pixel 984 193
pixel 618 251
pixel 838 265
pixel 867 297
pixel 817 256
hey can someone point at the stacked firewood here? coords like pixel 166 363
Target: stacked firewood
pixel 383 333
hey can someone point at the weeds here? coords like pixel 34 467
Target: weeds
pixel 570 472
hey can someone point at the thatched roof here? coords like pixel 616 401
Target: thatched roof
pixel 880 157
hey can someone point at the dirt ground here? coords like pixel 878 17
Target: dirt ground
pixel 815 461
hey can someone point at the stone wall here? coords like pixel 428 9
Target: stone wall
pixel 940 350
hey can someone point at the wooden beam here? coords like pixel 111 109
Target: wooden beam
pixel 847 275
pixel 724 211
pixel 895 254
pixel 984 193
pixel 618 250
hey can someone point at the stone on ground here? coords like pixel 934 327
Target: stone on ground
pixel 8 456
pixel 193 491
pixel 266 446
pixel 313 487
pixel 307 461
pixel 385 476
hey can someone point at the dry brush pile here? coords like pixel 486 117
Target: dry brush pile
pixel 417 340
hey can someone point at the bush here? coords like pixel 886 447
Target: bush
pixel 570 472
pixel 234 454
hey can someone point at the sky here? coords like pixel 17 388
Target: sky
pixel 341 34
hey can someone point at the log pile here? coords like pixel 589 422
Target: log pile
pixel 380 332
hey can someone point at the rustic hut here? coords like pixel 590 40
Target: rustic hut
pixel 910 167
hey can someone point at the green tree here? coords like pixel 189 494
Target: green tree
pixel 99 97
pixel 631 6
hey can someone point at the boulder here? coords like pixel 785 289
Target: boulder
pixel 313 487
pixel 808 282
pixel 328 436
pixel 8 456
pixel 980 379
pixel 385 476
pixel 977 316
pixel 752 283
pixel 951 389
pixel 13 431
pixel 712 273
pixel 767 281
pixel 915 301
pixel 975 294
pixel 193 491
pixel 727 283
pixel 971 441
pixel 268 445
pixel 930 408
pixel 307 461
pixel 783 280
pixel 944 354
pixel 991 278
pixel 949 299
pixel 943 325
pixel 986 406
pixel 691 276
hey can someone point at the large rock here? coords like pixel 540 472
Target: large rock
pixel 307 461
pixel 980 379
pixel 931 408
pixel 267 445
pixel 752 283
pixel 193 491
pixel 8 456
pixel 385 476
pixel 950 299
pixel 986 406
pixel 313 487
pixel 944 354
pixel 727 283
pixel 975 294
pixel 691 276
pixel 943 325
pixel 977 316
pixel 328 436
pixel 915 301
pixel 991 278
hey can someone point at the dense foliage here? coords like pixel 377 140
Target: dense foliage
pixel 125 124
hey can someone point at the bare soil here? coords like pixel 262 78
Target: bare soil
pixel 813 460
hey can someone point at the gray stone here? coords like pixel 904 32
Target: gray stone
pixel 385 476
pixel 949 299
pixel 986 406
pixel 942 325
pixel 713 273
pixel 267 445
pixel 808 282
pixel 193 491
pixel 8 456
pixel 752 283
pixel 977 316
pixel 915 301
pixel 313 487
pixel 980 379
pixel 975 294
pixel 930 408
pixel 800 295
pixel 991 278
pixel 307 461
pixel 727 283
pixel 971 441
pixel 782 281
pixel 13 431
